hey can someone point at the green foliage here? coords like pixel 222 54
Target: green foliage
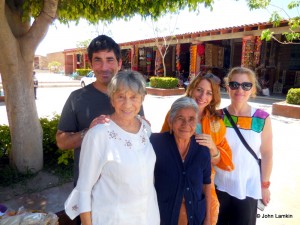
pixel 93 11
pixel 258 4
pixel 276 18
pixel 57 161
pixel 82 72
pixel 266 35
pixel 293 96
pixel 293 4
pixel 83 44
pixel 54 66
pixel 5 141
pixel 8 174
pixel 53 155
pixel 163 82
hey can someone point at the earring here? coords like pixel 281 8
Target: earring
pixel 170 131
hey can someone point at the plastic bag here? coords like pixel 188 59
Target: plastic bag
pixel 24 217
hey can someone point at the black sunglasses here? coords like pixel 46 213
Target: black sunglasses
pixel 246 86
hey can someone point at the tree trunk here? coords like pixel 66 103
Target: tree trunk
pixel 164 66
pixel 18 42
pixel 26 133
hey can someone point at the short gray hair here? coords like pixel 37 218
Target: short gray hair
pixel 183 103
pixel 128 79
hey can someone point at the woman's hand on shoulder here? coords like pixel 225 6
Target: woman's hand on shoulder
pixel 205 140
pixel 100 120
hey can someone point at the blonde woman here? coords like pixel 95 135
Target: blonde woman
pixel 239 190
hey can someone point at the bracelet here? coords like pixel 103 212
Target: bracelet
pixel 83 132
pixel 216 155
pixel 265 184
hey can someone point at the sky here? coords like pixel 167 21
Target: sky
pixel 226 13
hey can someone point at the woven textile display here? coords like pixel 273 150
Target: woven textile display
pixel 214 55
pixel 193 61
pixel 257 51
pixel 178 66
pixel 220 62
pixel 209 54
pixel 248 51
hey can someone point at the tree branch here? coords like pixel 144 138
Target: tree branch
pixel 7 38
pixel 281 9
pixel 39 27
pixel 285 42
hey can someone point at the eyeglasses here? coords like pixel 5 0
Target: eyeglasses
pixel 246 86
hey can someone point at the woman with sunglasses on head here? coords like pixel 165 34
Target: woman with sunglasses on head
pixel 210 130
pixel 239 190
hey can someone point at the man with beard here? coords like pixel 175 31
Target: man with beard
pixel 91 101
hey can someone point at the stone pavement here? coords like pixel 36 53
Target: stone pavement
pixel 284 208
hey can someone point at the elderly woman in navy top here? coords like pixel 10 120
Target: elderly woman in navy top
pixel 182 170
pixel 116 167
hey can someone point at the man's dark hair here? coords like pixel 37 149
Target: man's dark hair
pixel 103 42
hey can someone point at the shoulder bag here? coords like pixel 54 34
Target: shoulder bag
pixel 241 136
pixel 260 205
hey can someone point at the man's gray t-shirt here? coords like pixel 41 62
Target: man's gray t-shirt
pixel 82 106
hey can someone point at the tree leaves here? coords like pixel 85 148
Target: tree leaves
pixel 276 18
pixel 258 4
pixel 107 10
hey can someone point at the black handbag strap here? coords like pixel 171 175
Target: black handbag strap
pixel 240 135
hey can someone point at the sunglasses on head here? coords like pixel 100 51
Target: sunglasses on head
pixel 246 86
pixel 213 77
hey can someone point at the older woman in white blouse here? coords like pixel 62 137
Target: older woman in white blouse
pixel 115 184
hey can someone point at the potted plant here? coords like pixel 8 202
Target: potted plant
pixel 289 108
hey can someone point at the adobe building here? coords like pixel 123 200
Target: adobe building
pixel 75 58
pixel 57 57
pixel 277 65
pixel 40 62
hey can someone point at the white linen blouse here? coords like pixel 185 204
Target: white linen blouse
pixel 116 177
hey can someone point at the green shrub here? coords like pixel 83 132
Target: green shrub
pixel 52 154
pixel 163 82
pixel 293 96
pixel 54 66
pixel 82 72
pixel 5 141
pixel 57 161
pixel 8 174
